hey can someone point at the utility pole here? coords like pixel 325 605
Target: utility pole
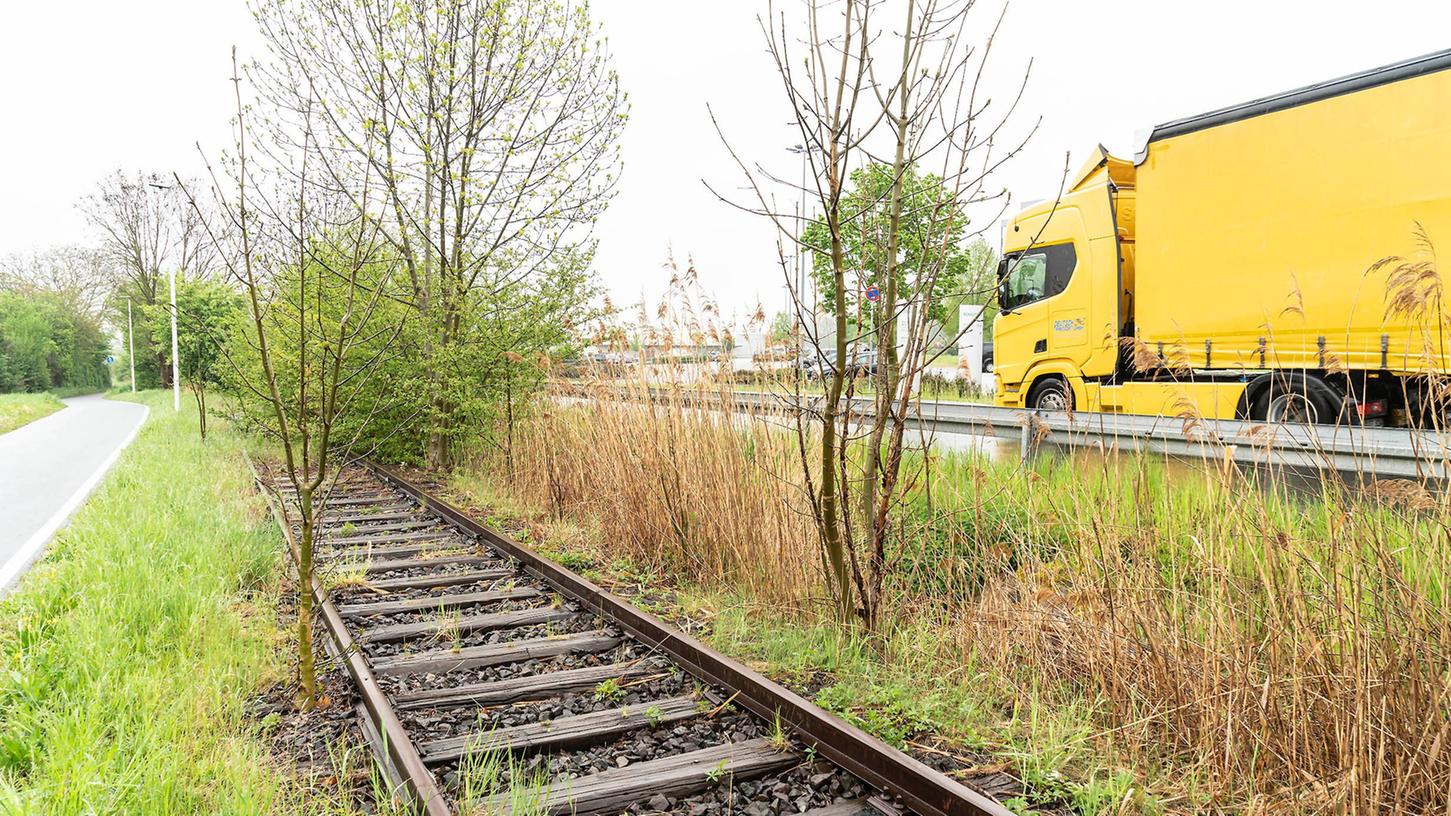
pixel 131 344
pixel 175 360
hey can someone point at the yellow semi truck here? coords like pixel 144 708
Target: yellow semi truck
pixel 1274 260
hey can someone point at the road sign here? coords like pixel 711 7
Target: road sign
pixel 874 294
pixel 110 358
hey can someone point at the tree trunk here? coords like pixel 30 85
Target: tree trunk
pixel 509 425
pixel 306 669
pixel 437 441
pixel 873 502
pixel 199 390
pixel 832 535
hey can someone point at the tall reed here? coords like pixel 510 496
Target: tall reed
pixel 674 484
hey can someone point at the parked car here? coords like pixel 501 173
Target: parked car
pixel 864 363
pixel 813 365
pixel 811 362
pixel 987 356
pixel 612 360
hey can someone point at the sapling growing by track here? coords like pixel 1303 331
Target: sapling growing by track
pixel 894 108
pixel 316 284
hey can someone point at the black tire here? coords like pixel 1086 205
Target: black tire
pixel 1050 394
pixel 1298 398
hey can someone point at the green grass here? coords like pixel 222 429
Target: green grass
pixel 128 654
pixel 76 391
pixel 895 688
pixel 22 409
pixel 492 781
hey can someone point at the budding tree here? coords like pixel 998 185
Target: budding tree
pixel 485 132
pixel 901 140
pixel 317 284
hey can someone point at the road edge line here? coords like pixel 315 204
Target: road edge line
pixel 34 546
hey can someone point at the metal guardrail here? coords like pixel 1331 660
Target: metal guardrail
pixel 1379 453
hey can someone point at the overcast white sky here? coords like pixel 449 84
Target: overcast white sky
pixel 88 87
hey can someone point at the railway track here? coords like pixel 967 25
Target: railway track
pixel 474 657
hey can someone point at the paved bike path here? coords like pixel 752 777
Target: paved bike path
pixel 50 466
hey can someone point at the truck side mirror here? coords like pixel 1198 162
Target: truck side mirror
pixel 1004 305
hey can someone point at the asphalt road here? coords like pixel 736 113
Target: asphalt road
pixel 47 469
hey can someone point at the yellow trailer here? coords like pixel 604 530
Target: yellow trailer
pixel 1272 260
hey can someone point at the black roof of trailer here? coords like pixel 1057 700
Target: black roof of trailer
pixel 1414 67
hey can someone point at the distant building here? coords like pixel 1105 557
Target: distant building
pixel 668 352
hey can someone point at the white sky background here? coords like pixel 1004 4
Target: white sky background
pixel 88 87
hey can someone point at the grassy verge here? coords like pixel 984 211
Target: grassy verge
pixel 1213 638
pixel 904 689
pixel 128 654
pixel 21 409
pixel 76 391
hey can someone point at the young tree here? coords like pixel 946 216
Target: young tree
pixel 979 286
pixel 782 330
pixel 879 91
pixel 485 132
pixel 316 279
pixel 930 225
pixel 207 313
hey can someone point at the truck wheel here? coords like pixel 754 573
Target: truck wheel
pixel 1288 406
pixel 1298 398
pixel 1051 394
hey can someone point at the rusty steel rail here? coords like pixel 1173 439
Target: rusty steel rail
pixel 923 790
pixel 391 744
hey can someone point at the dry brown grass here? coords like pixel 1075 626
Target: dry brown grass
pixel 1260 652
pixel 673 487
pixel 1302 674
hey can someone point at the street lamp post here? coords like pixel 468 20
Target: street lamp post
pixel 175 361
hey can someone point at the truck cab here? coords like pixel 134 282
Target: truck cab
pixel 1061 291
